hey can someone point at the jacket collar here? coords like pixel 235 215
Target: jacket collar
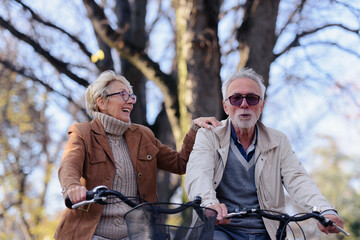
pixel 100 137
pixel 265 141
pixel 223 132
pixel 132 138
pixel 97 127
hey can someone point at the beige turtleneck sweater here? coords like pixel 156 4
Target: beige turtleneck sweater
pixel 112 224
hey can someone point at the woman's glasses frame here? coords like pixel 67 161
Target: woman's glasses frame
pixel 125 95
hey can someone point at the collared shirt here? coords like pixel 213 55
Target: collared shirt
pixel 248 154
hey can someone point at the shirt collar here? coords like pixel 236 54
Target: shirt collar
pixel 236 140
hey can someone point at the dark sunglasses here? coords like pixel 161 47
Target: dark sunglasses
pixel 125 95
pixel 237 99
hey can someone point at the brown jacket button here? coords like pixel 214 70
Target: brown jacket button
pixel 139 175
pixel 148 157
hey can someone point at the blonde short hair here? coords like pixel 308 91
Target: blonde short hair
pixel 100 88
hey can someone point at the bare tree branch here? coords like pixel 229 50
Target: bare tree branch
pixel 342 48
pixel 137 57
pixel 353 10
pixel 296 41
pixel 28 74
pixel 297 9
pixel 61 66
pixel 49 24
pixel 102 65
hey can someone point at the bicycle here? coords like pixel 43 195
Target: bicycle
pixel 157 220
pixel 284 220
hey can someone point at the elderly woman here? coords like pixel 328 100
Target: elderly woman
pixel 112 151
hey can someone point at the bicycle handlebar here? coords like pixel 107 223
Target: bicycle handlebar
pixel 147 218
pixel 283 217
pixel 323 220
pixel 153 206
pixel 98 195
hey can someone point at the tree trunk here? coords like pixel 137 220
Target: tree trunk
pixel 131 19
pixel 201 52
pixel 256 50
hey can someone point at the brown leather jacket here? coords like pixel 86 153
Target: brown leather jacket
pixel 88 160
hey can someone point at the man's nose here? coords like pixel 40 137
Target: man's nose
pixel 244 103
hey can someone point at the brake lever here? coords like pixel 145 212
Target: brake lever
pixel 331 223
pixel 79 204
pixel 327 222
pixel 236 214
pixel 91 196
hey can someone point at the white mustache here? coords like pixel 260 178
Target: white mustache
pixel 244 112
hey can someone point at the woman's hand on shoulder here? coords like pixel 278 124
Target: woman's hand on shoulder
pixel 206 122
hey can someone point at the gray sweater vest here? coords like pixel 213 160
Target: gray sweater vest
pixel 237 191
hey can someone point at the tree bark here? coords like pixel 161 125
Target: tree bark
pixel 131 19
pixel 201 51
pixel 140 60
pixel 257 37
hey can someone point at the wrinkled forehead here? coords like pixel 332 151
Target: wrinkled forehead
pixel 243 86
pixel 117 86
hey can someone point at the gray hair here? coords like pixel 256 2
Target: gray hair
pixel 100 88
pixel 244 73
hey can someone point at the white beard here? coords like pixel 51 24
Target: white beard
pixel 245 124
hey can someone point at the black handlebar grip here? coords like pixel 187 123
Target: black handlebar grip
pixel 89 195
pixel 68 202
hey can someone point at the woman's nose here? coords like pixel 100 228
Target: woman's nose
pixel 131 100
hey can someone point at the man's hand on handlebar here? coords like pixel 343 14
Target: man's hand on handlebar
pixel 331 229
pixel 222 212
pixel 77 194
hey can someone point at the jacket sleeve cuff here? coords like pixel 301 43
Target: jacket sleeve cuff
pixel 329 212
pixel 194 126
pixel 210 202
pixel 65 189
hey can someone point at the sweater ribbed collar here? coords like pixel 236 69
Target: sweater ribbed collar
pixel 112 126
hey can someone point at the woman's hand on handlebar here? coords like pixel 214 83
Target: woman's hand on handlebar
pixel 77 194
pixel 222 212
pixel 331 229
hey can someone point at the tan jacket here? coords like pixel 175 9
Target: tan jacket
pixel 88 160
pixel 276 167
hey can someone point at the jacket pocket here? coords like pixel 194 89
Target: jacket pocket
pixel 98 156
pixel 147 153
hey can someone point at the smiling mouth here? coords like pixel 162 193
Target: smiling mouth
pixel 126 110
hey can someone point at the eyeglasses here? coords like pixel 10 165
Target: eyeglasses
pixel 237 99
pixel 125 95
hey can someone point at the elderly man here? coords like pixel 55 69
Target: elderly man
pixel 244 164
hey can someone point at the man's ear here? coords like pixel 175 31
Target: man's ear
pixel 101 102
pixel 226 110
pixel 262 105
